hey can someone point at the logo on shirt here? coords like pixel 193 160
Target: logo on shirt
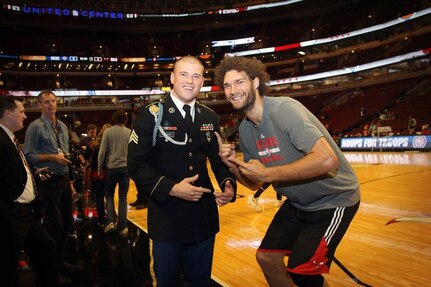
pixel 268 149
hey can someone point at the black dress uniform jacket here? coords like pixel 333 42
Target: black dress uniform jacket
pixel 13 176
pixel 156 166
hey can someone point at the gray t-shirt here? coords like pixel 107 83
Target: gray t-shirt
pixel 113 148
pixel 288 131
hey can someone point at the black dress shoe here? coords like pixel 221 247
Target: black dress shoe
pixel 63 280
pixel 68 267
pixel 141 206
pixel 133 204
pixel 139 202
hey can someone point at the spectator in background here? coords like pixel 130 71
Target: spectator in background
pixel 362 111
pixel 76 132
pixel 411 125
pixel 366 130
pixel 79 128
pixel 373 129
pixel 253 199
pixel 425 129
pixel 113 157
pixel 97 180
pixel 91 136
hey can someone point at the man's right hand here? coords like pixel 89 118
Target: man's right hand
pixel 226 152
pixel 187 191
pixel 61 159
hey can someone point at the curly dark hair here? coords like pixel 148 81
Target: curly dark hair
pixel 120 117
pixel 251 66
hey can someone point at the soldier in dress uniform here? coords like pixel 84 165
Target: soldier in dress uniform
pixel 167 158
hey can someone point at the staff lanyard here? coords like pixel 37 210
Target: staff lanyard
pixel 54 133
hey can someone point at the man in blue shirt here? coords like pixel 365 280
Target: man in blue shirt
pixel 47 145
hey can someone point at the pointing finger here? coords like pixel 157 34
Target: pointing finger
pixel 238 162
pixel 219 140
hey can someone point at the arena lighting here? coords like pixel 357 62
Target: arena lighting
pixel 91 93
pixel 242 41
pixel 65 58
pixel 255 7
pixel 240 53
pixel 355 69
pixel 204 57
pixel 133 60
pixel 172 15
pixel 355 33
pixel 2 56
pixel 158 91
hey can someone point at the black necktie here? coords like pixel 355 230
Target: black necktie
pixel 24 160
pixel 188 118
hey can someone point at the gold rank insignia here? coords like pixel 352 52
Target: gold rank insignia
pixel 154 110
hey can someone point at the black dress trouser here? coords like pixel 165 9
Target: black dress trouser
pixel 24 232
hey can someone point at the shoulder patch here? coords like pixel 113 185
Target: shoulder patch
pixel 154 110
pixel 155 102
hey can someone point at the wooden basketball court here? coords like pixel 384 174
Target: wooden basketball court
pixel 393 186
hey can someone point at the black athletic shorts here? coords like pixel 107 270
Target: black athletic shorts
pixel 308 238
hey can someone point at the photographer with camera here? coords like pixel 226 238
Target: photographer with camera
pixel 46 144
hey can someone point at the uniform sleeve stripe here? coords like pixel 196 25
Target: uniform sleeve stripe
pixel 155 186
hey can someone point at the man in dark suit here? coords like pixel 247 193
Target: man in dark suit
pixel 20 228
pixel 167 159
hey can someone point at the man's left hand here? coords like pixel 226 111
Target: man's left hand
pixel 223 198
